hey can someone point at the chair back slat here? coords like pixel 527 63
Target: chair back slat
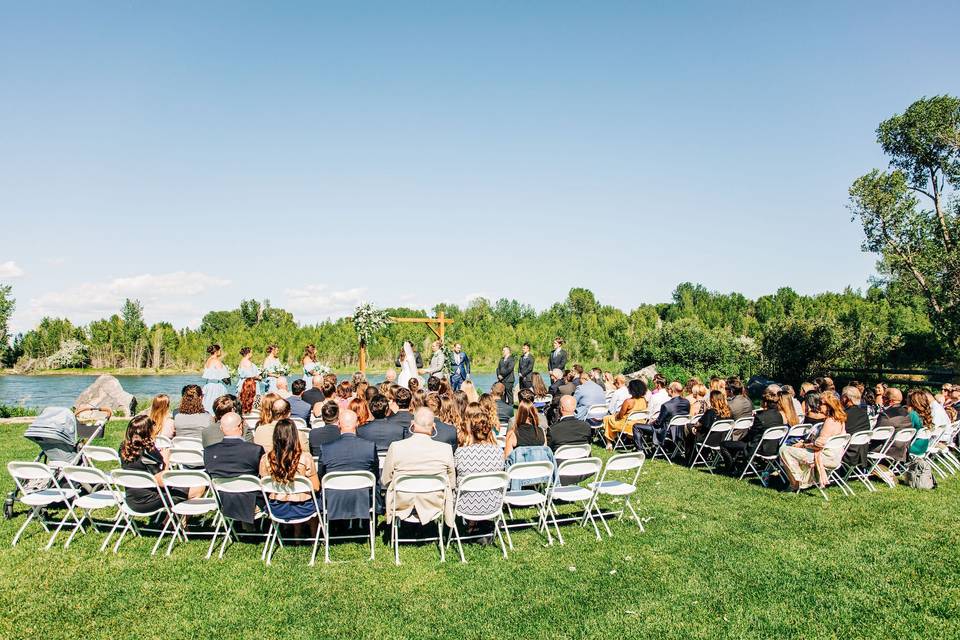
pixel 184 479
pixel 348 480
pixel 237 484
pixel 572 451
pixel 626 461
pixel 531 470
pixel 579 467
pixel 408 484
pixel 130 479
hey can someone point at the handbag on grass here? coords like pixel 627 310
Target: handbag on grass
pixel 919 475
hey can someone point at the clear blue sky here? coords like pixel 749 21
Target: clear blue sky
pixel 193 154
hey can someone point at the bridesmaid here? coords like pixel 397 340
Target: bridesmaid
pixel 246 369
pixel 268 363
pixel 309 362
pixel 214 373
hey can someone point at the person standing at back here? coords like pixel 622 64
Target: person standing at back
pixel 526 367
pixel 505 374
pixel 558 357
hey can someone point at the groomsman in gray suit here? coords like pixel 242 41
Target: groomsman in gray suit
pixel 437 361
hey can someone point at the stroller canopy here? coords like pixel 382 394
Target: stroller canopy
pixel 54 426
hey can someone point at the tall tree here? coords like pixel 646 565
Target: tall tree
pixel 917 246
pixel 7 305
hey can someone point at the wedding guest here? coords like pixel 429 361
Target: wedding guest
pixel 344 395
pixel 527 395
pixel 569 429
pixel 788 391
pixel 504 408
pixel 785 406
pixel 280 411
pixel 921 417
pixel 740 404
pixel 698 400
pixel 382 431
pixel 526 431
pixel 620 393
pixel 349 453
pixel 768 416
pixel 139 453
pixel 471 390
pixel 588 394
pixel 248 396
pixel 315 394
pixel 360 407
pixel 506 376
pixel 811 408
pixel 283 390
pixel 224 405
pixel 283 461
pixel 676 406
pixel 444 430
pixel 636 401
pixel 696 433
pixel 214 374
pixel 801 459
pixel 658 395
pixel 478 453
pixel 390 376
pixel 299 408
pixel 326 427
pixel 230 457
pixel 159 413
pixel 489 405
pixel 417 455
pixel 192 418
pixel 460 403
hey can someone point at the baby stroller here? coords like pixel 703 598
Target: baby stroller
pixel 56 432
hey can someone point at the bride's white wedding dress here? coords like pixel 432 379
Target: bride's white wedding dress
pixel 408 368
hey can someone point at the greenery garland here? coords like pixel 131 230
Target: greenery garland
pixel 368 322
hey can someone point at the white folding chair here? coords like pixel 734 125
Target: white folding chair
pixel 348 481
pixel 677 422
pixel 597 412
pixel 740 428
pixel 187 442
pixel 417 484
pixel 574 493
pixel 718 432
pixel 572 452
pixel 299 484
pixel 837 445
pixel 100 495
pixel 163 442
pixel 91 454
pixel 191 508
pixel 237 484
pixel 633 418
pixel 855 471
pixel 524 474
pixel 880 438
pixel 250 421
pixel 502 441
pixel 613 487
pixel 125 479
pixel 186 459
pixel 39 489
pixel 486 485
pixel 768 450
pixel 900 439
pixel 797 431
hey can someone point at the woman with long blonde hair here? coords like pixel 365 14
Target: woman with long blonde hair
pixel 266 408
pixel 471 390
pixel 161 416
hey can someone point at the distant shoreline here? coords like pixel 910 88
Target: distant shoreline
pixel 160 372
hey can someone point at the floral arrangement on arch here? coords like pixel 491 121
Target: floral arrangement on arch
pixel 368 322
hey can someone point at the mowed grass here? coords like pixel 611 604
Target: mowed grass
pixel 720 559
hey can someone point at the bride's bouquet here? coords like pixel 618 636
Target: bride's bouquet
pixel 277 370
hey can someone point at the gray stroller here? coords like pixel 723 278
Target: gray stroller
pixel 56 432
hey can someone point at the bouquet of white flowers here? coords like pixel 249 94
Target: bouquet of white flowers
pixel 318 369
pixel 277 370
pixel 367 322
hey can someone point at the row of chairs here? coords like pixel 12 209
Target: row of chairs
pixel 83 488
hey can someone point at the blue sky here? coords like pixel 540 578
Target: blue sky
pixel 193 154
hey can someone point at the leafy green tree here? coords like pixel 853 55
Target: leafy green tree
pixel 796 348
pixel 7 306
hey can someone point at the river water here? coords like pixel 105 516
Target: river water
pixel 62 391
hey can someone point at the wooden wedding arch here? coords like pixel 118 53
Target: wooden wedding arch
pixel 438 325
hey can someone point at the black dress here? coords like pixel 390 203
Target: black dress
pixel 530 436
pixel 147 500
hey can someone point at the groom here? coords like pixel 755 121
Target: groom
pixel 461 367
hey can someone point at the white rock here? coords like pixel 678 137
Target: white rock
pixel 107 392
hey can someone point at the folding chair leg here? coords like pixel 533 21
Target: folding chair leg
pixel 506 530
pixel 443 553
pixel 373 533
pixel 394 530
pixel 69 514
pixel 163 532
pixel 85 516
pixel 628 505
pixel 213 539
pixel 316 540
pixel 455 532
pixel 326 543
pixel 116 523
pixel 497 524
pixel 26 522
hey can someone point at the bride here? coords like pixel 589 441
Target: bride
pixel 408 365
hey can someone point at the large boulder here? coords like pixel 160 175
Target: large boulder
pixel 646 374
pixel 107 392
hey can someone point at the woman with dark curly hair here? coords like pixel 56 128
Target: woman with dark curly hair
pixel 192 418
pixel 139 453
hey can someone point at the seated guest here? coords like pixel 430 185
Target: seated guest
pixel 420 454
pixel 801 459
pixel 221 406
pixel 504 410
pixel 249 398
pixel 162 417
pixel 139 453
pixel 857 420
pixel 894 413
pixel 327 427
pixel 361 406
pixel 568 429
pixel 921 419
pixel 401 416
pixel 768 416
pixel 811 408
pixel 314 395
pixel 382 431
pixel 788 391
pixel 232 456
pixel 349 453
pixel 443 431
pixel 263 435
pixel 637 401
pixel 658 395
pixel 528 394
pixel 470 390
pixel 191 418
pixel 620 393
pixel 698 400
pixel 677 405
pixel 298 407
pixel 939 411
pixel 696 433
pixel 283 388
pixel 785 405
pixel 285 460
pixel 588 394
pixel 541 395
pixel 740 404
pixel 526 431
pixel 489 406
pixel 478 454
pixel 344 395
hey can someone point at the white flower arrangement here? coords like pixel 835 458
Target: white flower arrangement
pixel 277 370
pixel 318 369
pixel 367 322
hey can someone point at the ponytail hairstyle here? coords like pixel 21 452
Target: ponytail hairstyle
pixel 138 438
pixel 213 349
pixel 245 351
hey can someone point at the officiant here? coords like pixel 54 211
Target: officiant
pixel 437 361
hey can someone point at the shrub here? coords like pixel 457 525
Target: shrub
pixel 686 348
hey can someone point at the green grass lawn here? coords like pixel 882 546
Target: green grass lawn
pixel 720 558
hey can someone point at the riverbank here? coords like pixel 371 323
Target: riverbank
pixel 129 371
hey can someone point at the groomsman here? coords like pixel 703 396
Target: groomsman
pixel 526 368
pixel 558 357
pixel 505 375
pixel 461 367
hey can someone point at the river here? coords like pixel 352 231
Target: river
pixel 62 390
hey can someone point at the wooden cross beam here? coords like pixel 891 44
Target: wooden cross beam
pixel 438 325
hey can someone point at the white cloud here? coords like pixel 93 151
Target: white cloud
pixel 162 296
pixel 10 269
pixel 318 302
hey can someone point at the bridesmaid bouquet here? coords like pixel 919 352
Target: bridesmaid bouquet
pixel 319 369
pixel 276 370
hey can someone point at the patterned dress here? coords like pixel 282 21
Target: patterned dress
pixel 478 458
